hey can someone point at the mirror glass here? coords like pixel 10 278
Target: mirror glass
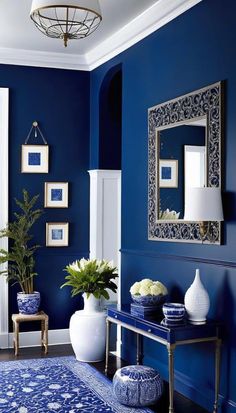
pixel 182 164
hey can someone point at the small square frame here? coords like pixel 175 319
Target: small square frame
pixel 34 158
pixel 170 178
pixel 56 195
pixel 57 234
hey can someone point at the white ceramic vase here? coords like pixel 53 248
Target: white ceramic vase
pixel 91 304
pixel 88 331
pixel 197 302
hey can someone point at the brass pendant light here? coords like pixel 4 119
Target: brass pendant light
pixel 62 19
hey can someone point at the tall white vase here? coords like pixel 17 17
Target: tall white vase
pixel 197 302
pixel 91 304
pixel 88 331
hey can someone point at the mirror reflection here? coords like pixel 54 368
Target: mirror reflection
pixel 182 164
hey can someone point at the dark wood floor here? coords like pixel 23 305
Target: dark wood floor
pixel 181 404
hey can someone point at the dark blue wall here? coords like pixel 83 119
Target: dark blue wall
pixel 59 101
pixel 110 122
pixel 194 50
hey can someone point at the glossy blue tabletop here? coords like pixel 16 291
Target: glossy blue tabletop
pixel 184 332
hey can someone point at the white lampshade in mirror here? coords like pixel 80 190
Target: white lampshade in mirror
pixel 203 204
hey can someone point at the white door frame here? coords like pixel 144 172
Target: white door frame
pixel 4 113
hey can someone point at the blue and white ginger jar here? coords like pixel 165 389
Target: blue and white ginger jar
pixel 137 386
pixel 28 303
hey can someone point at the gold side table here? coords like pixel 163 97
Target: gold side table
pixel 21 318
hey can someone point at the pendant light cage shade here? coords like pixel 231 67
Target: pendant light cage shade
pixel 61 19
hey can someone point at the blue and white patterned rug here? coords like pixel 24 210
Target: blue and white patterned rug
pixel 58 385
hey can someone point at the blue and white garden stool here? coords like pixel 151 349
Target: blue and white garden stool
pixel 137 386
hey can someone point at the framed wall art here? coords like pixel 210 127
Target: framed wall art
pixel 57 234
pixel 34 158
pixel 168 173
pixel 56 195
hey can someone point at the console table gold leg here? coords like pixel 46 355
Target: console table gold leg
pixel 138 354
pixel 217 374
pixel 107 344
pixel 171 348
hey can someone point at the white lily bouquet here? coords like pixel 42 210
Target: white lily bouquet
pixel 92 277
pixel 148 292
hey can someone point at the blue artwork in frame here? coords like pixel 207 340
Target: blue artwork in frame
pixel 166 172
pixel 56 194
pixel 57 234
pixel 34 158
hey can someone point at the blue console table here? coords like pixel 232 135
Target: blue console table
pixel 168 336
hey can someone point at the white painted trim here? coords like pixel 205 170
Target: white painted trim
pixel 4 109
pixel 32 338
pixel 142 26
pixel 35 58
pixel 152 19
pixel 98 203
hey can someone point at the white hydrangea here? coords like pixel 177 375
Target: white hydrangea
pixel 148 287
pixel 144 290
pixel 134 290
pixel 161 287
pixel 146 282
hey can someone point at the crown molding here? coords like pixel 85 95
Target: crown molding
pixel 24 57
pixel 143 25
pixel 146 23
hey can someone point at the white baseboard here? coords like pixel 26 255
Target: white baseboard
pixel 32 338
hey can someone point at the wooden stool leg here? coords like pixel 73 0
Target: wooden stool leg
pixel 42 333
pixel 16 337
pixel 46 335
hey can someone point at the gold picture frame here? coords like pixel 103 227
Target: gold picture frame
pixel 56 195
pixel 57 234
pixel 34 158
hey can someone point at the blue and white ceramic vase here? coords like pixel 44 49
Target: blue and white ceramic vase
pixel 28 303
pixel 197 302
pixel 137 386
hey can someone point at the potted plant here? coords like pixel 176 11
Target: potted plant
pixel 93 278
pixel 20 257
pixel 87 327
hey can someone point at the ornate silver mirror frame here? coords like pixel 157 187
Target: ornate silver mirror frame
pixel 205 102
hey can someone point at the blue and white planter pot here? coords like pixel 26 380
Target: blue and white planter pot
pixel 137 386
pixel 28 303
pixel 173 311
pixel 149 300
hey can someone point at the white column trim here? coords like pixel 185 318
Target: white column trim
pixel 4 113
pixel 98 178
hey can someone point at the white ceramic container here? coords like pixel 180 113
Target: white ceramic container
pixel 197 302
pixel 88 331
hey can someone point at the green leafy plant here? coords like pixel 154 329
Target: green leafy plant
pixel 91 277
pixel 20 256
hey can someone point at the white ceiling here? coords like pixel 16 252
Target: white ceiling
pixel 18 31
pixel 124 23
